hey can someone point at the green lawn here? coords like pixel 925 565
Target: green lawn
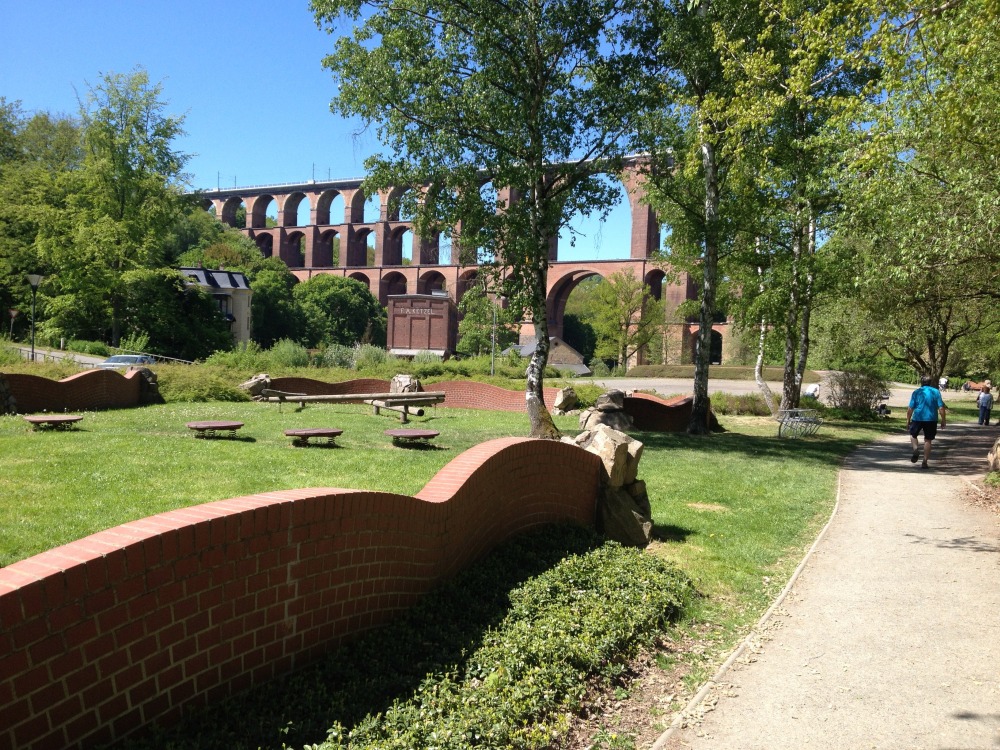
pixel 735 510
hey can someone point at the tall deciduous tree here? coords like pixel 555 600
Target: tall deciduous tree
pixel 751 154
pixel 487 325
pixel 626 317
pixel 176 318
pixel 695 181
pixel 128 191
pixel 532 96
pixel 923 212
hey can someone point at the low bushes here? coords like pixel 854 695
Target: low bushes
pixel 854 395
pixel 179 383
pixel 747 404
pixel 499 657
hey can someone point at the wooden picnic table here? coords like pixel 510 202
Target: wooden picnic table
pixel 212 428
pixel 403 435
pixel 55 421
pixel 301 437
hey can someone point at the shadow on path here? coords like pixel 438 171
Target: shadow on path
pixel 960 450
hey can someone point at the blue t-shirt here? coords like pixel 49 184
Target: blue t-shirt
pixel 925 403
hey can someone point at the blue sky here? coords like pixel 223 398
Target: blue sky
pixel 247 76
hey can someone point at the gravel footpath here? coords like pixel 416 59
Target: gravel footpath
pixel 888 636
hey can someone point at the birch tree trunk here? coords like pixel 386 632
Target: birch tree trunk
pixel 790 388
pixel 541 422
pixel 758 369
pixel 806 306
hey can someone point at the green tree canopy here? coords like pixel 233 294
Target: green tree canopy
pixel 179 319
pixel 125 197
pixel 533 97
pixel 626 317
pixel 476 328
pixel 338 310
pixel 276 311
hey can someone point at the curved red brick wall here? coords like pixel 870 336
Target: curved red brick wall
pixel 125 627
pixel 654 414
pixel 311 387
pixel 459 394
pixel 471 394
pixel 90 389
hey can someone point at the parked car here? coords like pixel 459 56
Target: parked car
pixel 123 361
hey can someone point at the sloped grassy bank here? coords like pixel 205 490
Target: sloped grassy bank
pixel 499 657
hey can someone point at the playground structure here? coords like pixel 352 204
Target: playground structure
pixel 405 404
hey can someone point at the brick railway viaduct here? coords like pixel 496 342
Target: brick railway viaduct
pixel 338 243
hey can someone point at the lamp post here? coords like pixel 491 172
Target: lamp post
pixel 502 302
pixel 34 280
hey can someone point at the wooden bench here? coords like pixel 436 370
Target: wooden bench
pixel 55 421
pixel 403 436
pixel 212 429
pixel 798 422
pixel 300 438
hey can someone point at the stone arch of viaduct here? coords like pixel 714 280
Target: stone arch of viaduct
pixel 308 248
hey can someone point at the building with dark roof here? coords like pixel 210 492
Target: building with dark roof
pixel 231 291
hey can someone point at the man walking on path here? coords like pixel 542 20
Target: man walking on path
pixel 889 636
pixel 922 416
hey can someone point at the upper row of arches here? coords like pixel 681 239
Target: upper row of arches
pixel 339 207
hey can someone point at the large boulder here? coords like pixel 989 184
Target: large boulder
pixel 613 400
pixel 255 386
pixel 993 457
pixel 149 388
pixel 404 384
pixel 565 400
pixel 619 519
pixel 592 418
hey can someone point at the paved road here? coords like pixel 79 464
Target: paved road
pixel 890 636
pixel 899 394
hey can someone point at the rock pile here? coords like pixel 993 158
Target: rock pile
pixel 565 402
pixel 609 410
pixel 149 387
pixel 623 511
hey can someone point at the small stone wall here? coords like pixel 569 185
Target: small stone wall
pixel 85 391
pixel 127 627
pixel 654 414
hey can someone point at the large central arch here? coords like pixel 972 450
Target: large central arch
pixel 339 244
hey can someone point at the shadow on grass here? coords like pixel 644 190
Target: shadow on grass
pixel 416 445
pixel 665 532
pixel 226 438
pixel 379 667
pixel 819 449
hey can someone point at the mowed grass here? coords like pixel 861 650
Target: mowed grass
pixel 735 511
pixel 726 506
pixel 58 486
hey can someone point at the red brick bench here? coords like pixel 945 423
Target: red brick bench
pixel 212 429
pixel 300 438
pixel 402 436
pixel 55 421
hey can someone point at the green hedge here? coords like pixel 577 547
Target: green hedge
pixel 498 657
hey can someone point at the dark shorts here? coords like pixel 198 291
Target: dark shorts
pixel 929 428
